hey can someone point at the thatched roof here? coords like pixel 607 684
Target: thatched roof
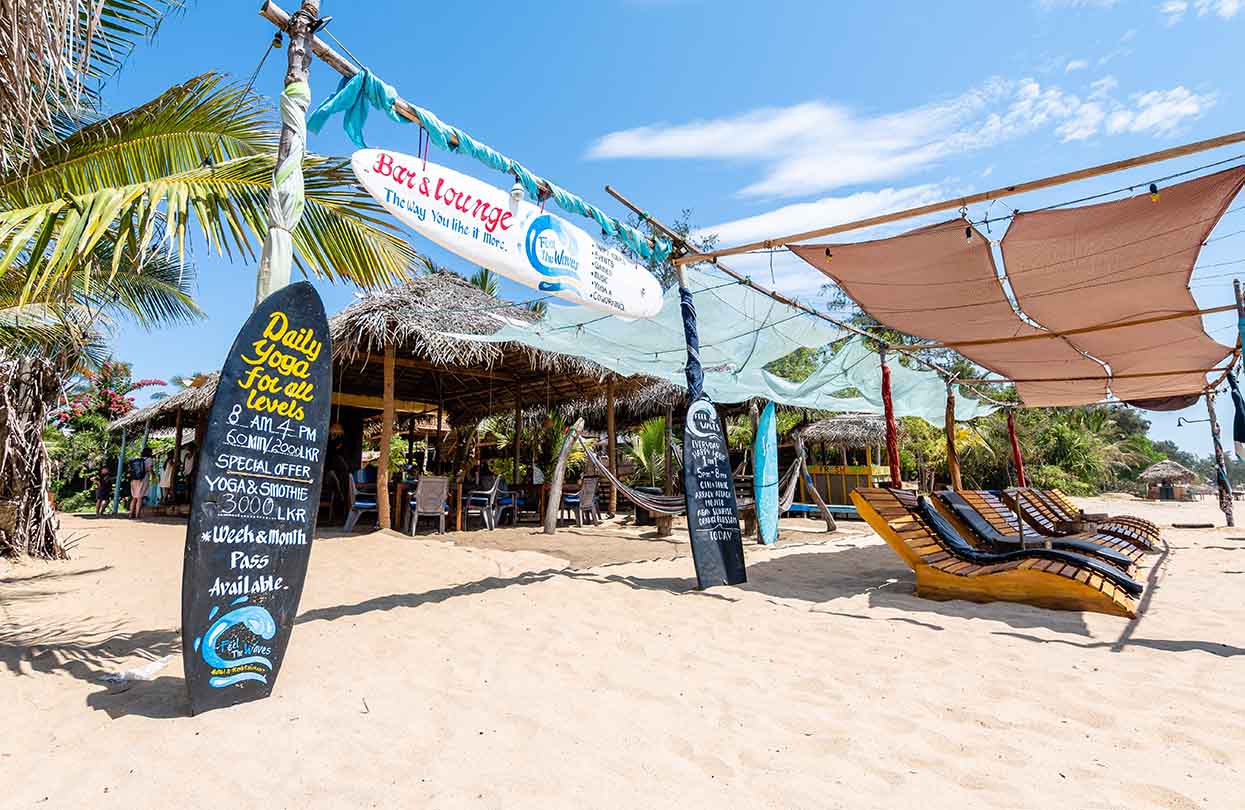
pixel 417 314
pixel 849 430
pixel 163 412
pixel 421 318
pixel 1169 470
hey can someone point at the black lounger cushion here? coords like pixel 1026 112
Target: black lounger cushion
pixel 982 528
pixel 957 546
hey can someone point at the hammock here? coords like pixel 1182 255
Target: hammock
pixel 677 504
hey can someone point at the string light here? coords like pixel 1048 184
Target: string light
pixel 1154 192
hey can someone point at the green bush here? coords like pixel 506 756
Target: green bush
pixel 77 502
pixel 1048 476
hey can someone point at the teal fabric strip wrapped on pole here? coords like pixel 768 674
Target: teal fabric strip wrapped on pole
pixel 356 96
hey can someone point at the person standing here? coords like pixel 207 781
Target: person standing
pixel 103 488
pixel 140 471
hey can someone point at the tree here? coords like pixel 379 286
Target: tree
pixel 56 52
pixel 486 280
pixel 647 451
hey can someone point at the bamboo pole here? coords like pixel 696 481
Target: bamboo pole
pixel 116 484
pixel 1103 378
pixel 953 460
pixel 678 241
pixel 1221 468
pixel 281 19
pixel 386 438
pixel 611 438
pixel 984 196
pixel 1083 330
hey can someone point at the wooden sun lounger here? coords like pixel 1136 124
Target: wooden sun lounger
pixel 1069 511
pixel 1002 518
pixel 1044 519
pixel 1053 580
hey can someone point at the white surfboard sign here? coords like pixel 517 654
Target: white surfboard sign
pixel 484 225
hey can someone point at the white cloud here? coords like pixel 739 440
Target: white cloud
pixel 1160 111
pixel 1129 35
pixel 1054 5
pixel 1084 124
pixel 816 214
pixel 1076 64
pixel 818 146
pixel 1175 10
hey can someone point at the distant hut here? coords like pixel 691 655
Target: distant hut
pixel 841 450
pixel 1168 481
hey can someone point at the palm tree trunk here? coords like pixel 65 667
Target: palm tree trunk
pixel 28 524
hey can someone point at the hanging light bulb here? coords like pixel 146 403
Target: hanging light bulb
pixel 516 192
pixel 1154 192
pixel 968 232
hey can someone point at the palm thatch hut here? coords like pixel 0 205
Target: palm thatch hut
pixel 1168 481
pixel 854 436
pixel 397 356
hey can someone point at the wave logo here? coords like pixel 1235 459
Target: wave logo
pixel 551 252
pixel 248 659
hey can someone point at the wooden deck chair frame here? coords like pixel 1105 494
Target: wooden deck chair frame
pixel 1067 510
pixel 1043 518
pixel 941 575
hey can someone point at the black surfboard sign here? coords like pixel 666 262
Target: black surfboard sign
pixel 256 495
pixel 712 513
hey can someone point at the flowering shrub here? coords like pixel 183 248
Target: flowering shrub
pixel 105 391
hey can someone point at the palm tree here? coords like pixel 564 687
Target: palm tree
pixel 202 151
pixel 485 279
pixel 647 451
pixel 54 53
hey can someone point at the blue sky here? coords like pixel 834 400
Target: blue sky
pixel 762 118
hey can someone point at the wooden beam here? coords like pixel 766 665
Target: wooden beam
pixel 1224 486
pixel 426 365
pixel 378 403
pixel 1102 327
pixel 386 437
pixel 611 440
pixel 984 196
pixel 280 18
pixel 1098 378
pixel 518 432
pixel 953 460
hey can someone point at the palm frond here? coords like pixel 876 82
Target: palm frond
pixel 50 53
pixel 205 118
pixel 342 235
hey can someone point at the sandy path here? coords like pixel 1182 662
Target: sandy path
pixel 428 674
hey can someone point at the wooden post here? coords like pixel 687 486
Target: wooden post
pixel 892 429
pixel 665 523
pixel 953 460
pixel 410 442
pixel 554 501
pixel 273 276
pixel 1221 468
pixel 518 431
pixel 804 475
pixel 386 438
pixel 1017 458
pixel 611 440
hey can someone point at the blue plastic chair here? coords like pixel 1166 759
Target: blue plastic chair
pixel 360 502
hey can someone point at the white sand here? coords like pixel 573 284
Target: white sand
pixel 427 674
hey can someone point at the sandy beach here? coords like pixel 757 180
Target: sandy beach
pixel 508 670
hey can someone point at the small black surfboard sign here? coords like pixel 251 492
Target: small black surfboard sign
pixel 256 495
pixel 712 513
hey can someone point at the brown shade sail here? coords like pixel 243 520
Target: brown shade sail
pixel 1125 261
pixel 939 283
pixel 1068 269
